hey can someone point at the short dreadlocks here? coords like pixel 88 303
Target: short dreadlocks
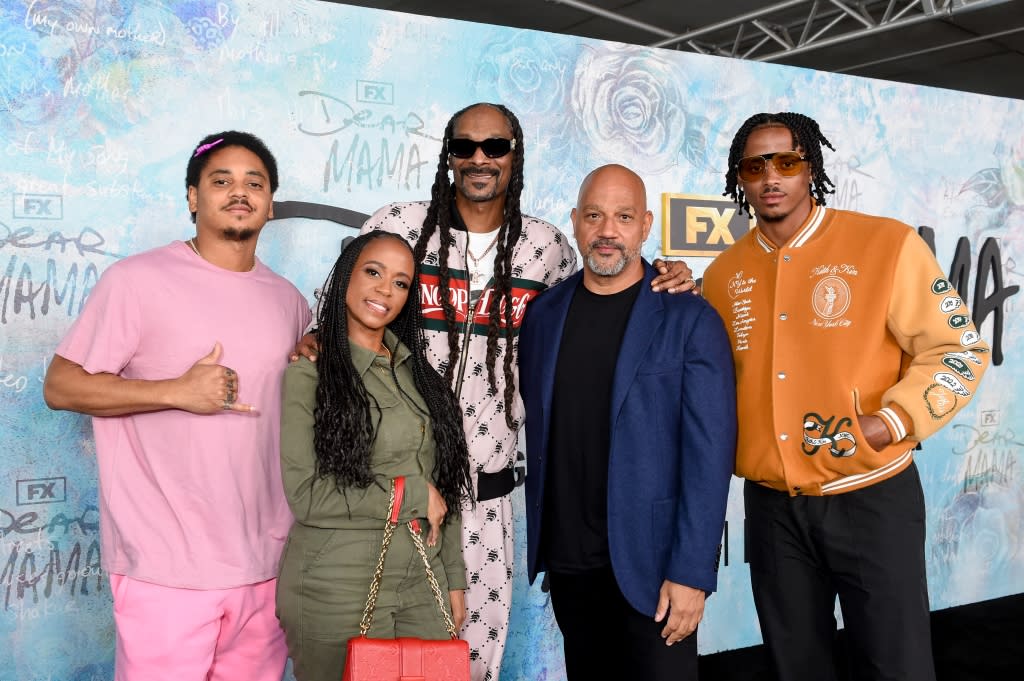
pixel 806 135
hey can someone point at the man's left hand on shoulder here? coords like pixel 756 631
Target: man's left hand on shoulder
pixel 684 606
pixel 674 276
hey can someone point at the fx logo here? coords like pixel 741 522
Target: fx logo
pixel 38 206
pixel 701 225
pixel 373 92
pixel 42 491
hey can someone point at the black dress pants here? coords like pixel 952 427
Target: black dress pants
pixel 867 548
pixel 605 638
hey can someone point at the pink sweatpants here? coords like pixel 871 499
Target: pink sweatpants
pixel 168 634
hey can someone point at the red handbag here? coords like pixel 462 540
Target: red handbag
pixel 407 658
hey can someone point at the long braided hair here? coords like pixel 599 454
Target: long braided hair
pixel 439 219
pixel 346 416
pixel 806 135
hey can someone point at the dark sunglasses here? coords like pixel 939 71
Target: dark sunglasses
pixel 495 147
pixel 786 163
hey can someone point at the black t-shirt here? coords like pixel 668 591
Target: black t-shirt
pixel 574 526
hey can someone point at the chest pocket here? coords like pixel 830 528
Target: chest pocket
pixel 385 399
pixel 401 426
pixel 661 368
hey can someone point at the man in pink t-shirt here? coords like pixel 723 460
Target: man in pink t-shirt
pixel 178 354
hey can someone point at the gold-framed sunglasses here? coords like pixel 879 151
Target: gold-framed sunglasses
pixel 786 163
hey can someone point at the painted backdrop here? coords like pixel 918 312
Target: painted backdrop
pixel 101 101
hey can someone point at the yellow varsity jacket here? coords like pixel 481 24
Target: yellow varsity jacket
pixel 852 316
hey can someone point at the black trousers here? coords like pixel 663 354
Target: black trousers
pixel 867 548
pixel 605 638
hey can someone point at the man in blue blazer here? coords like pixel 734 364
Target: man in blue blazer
pixel 631 433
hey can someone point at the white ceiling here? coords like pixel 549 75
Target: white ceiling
pixel 971 45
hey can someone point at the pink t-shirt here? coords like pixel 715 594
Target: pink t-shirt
pixel 190 501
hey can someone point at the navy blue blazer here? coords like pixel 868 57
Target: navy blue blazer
pixel 673 437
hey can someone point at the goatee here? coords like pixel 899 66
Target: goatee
pixel 240 235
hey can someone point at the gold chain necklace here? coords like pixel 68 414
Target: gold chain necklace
pixel 475 275
pixel 477 258
pixel 195 249
pixel 387 353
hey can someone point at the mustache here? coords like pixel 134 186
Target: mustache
pixel 479 169
pixel 239 202
pixel 606 243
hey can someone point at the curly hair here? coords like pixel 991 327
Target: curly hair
pixel 439 219
pixel 222 140
pixel 346 416
pixel 806 135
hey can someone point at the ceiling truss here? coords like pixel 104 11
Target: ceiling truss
pixel 786 29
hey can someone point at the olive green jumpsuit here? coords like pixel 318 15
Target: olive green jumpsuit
pixel 335 542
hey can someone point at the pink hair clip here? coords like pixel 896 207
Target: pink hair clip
pixel 203 148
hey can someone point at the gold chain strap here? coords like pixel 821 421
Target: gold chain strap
pixel 434 586
pixel 378 573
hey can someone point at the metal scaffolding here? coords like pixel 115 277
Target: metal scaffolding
pixel 793 27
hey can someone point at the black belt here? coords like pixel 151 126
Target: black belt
pixel 494 485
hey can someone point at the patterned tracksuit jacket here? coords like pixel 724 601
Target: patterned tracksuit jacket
pixel 542 257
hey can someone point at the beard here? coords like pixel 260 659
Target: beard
pixel 478 195
pixel 609 269
pixel 241 235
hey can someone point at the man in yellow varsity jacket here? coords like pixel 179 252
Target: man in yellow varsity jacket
pixel 851 347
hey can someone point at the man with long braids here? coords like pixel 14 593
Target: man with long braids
pixel 483 261
pixel 178 354
pixel 851 347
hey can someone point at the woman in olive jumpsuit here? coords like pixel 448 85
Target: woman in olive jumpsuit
pixel 370 409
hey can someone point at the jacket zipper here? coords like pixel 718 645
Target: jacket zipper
pixel 467 325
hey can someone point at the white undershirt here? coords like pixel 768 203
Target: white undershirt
pixel 478 243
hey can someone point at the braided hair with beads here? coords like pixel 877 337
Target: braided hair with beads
pixel 346 416
pixel 439 219
pixel 806 135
